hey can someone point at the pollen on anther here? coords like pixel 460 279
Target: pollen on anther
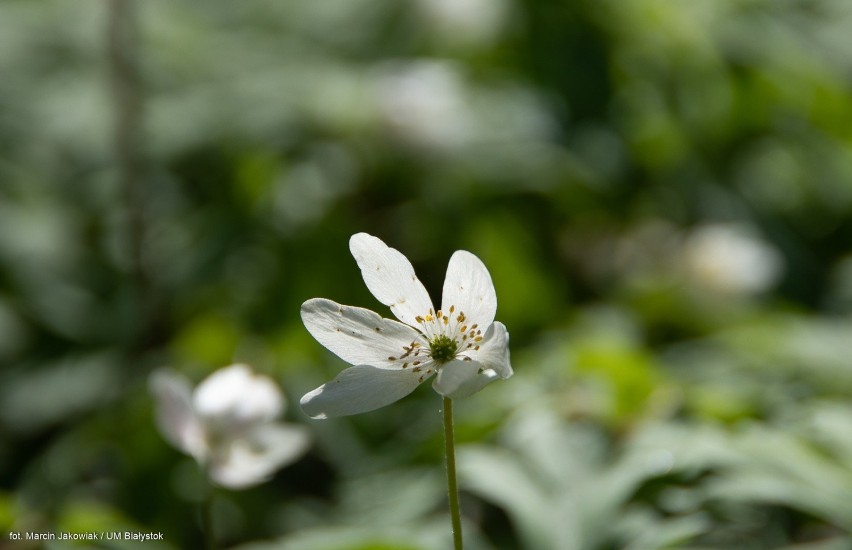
pixel 478 339
pixel 419 319
pixel 416 363
pixel 446 320
pixel 452 309
pixel 463 329
pixel 391 358
pixel 405 365
pixel 476 348
pixel 378 329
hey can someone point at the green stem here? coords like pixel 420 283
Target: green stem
pixel 207 518
pixel 127 105
pixel 452 484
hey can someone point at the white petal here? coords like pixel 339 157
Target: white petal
pixel 357 335
pixel 253 459
pixel 175 416
pixel 360 389
pixel 235 397
pixel 493 353
pixel 469 289
pixel 468 386
pixel 454 375
pixel 390 277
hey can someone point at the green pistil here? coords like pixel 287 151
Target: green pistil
pixel 443 348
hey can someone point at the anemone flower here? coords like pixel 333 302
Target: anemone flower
pixel 460 343
pixel 228 424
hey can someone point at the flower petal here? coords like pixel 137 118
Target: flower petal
pixel 453 375
pixel 469 289
pixel 360 389
pixel 175 416
pixel 235 397
pixel 390 277
pixel 493 353
pixel 357 335
pixel 459 388
pixel 253 459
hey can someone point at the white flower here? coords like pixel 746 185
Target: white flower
pixel 460 343
pixel 423 104
pixel 731 259
pixel 228 424
pixel 468 23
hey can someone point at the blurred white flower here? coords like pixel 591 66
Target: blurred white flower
pixel 460 343
pixel 423 105
pixel 465 22
pixel 730 259
pixel 228 424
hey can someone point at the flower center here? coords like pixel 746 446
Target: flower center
pixel 442 348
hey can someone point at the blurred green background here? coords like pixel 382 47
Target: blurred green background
pixel 661 190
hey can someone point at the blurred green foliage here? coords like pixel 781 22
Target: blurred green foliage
pixel 661 190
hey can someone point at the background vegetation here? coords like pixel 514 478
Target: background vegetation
pixel 661 190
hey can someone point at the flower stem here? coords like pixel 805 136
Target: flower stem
pixel 452 484
pixel 127 100
pixel 207 519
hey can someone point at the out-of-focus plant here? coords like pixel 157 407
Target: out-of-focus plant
pixel 228 424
